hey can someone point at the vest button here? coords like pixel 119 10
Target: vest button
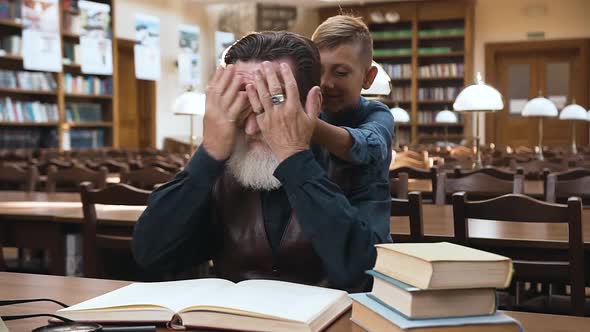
pixel 275 271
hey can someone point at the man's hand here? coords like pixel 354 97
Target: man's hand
pixel 225 112
pixel 286 127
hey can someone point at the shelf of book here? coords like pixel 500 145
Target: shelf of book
pixel 442 78
pixel 26 103
pixel 13 57
pixel 447 54
pixel 87 96
pixel 28 124
pixel 89 124
pixel 442 37
pixel 25 92
pixel 10 23
pixel 439 124
pixel 70 36
pixel 436 101
pixel 385 39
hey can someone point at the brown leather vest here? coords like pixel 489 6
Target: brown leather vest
pixel 246 252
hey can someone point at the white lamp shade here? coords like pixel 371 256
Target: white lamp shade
pixel 381 85
pixel 190 103
pixel 573 112
pixel 400 115
pixel 478 97
pixel 540 106
pixel 446 116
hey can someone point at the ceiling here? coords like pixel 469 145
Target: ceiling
pixel 304 3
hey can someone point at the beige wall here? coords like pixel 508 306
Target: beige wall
pixel 171 14
pixel 507 20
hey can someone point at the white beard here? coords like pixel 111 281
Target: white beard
pixel 253 168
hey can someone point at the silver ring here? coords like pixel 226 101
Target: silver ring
pixel 277 99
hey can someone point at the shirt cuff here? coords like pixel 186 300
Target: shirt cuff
pixel 298 169
pixel 357 152
pixel 202 164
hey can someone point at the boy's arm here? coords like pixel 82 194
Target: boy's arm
pixel 335 139
pixel 362 145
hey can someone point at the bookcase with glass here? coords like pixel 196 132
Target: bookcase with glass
pixel 426 48
pixel 41 109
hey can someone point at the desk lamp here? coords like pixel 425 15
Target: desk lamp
pixel 476 98
pixel 190 103
pixel 540 107
pixel 573 112
pixel 446 117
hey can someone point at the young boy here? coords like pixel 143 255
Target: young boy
pixel 356 132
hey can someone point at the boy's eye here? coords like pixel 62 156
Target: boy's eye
pixel 341 73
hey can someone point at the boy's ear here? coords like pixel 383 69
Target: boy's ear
pixel 370 77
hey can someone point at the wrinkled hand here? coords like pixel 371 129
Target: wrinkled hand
pixel 286 127
pixel 226 109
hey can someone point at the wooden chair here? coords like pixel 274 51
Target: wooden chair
pixel 146 178
pixel 17 177
pixel 521 208
pixel 412 208
pixel 418 174
pixel 398 186
pixel 480 184
pixel 560 186
pixel 68 179
pixel 111 165
pixel 98 241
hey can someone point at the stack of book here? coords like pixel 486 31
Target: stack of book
pixel 434 287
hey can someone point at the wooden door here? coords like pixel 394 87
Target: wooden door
pixel 558 70
pixel 137 102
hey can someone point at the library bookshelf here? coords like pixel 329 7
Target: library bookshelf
pixel 54 110
pixel 428 53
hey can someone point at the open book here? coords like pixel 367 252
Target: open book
pixel 252 305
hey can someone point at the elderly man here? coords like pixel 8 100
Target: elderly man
pixel 254 198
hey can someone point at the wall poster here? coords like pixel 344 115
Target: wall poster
pixel 96 46
pixel 40 35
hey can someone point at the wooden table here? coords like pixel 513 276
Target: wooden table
pixel 41 220
pixel 73 290
pixel 531 187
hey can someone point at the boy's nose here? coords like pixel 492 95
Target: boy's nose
pixel 327 82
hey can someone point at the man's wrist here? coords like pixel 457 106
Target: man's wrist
pixel 216 151
pixel 283 154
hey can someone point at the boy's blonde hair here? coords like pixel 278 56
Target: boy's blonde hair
pixel 344 29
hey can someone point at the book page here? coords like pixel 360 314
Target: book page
pixel 277 299
pixel 173 295
pixel 442 251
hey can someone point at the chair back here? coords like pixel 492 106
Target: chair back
pixel 412 208
pixel 560 186
pixel 480 184
pixel 418 174
pixel 17 177
pixel 97 238
pixel 521 208
pixel 147 177
pixel 69 179
pixel 111 165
